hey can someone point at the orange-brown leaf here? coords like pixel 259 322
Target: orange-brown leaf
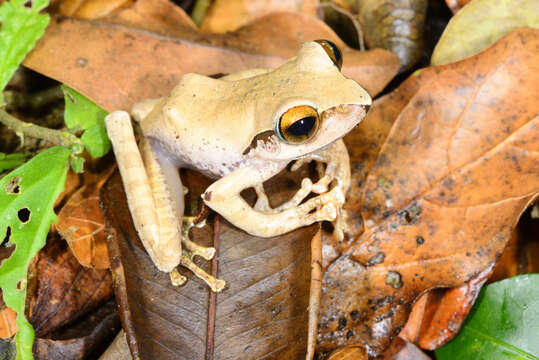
pixel 82 225
pixel 458 167
pixel 117 66
pixel 229 15
pixel 8 327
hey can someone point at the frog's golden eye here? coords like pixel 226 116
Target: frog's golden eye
pixel 332 50
pixel 298 124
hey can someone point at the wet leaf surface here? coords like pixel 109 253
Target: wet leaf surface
pixel 440 195
pixel 119 65
pixel 261 314
pixel 502 324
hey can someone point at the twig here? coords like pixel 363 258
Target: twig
pixel 35 100
pixel 348 14
pixel 57 137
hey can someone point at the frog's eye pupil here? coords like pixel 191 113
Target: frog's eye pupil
pixel 332 50
pixel 302 127
pixel 298 124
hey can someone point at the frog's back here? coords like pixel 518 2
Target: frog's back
pixel 197 125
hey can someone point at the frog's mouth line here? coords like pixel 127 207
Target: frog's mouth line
pixel 331 125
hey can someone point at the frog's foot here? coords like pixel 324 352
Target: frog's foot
pixel 327 175
pixel 191 221
pixel 187 260
pixel 262 202
pixel 191 250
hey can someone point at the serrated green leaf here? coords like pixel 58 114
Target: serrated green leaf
pixel 82 114
pixel 10 161
pixel 503 324
pixel 479 24
pixel 27 197
pixel 21 27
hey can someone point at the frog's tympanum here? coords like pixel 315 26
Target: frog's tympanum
pixel 243 129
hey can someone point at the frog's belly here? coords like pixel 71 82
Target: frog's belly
pixel 213 162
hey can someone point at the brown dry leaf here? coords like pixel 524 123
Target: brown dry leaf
pixel 81 223
pixel 396 26
pixel 65 290
pixel 117 66
pixel 401 349
pixel 262 313
pixel 83 339
pixel 438 315
pixel 89 9
pixel 8 327
pixel 230 15
pixel 71 185
pixel 447 186
pixel 349 353
pixel 159 16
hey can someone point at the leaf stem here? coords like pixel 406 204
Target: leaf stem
pixel 199 11
pixel 56 137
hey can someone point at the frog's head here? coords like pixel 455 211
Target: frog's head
pixel 314 104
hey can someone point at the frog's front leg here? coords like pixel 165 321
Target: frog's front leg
pixel 155 198
pixel 224 197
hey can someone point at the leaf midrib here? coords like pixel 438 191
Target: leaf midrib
pixel 499 342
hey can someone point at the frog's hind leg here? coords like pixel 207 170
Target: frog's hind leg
pixel 155 198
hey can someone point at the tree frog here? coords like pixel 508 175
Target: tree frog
pixel 243 129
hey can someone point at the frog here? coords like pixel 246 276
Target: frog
pixel 241 129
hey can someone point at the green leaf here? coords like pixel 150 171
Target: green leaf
pixel 82 114
pixel 27 197
pixel 77 164
pixel 9 161
pixel 479 24
pixel 503 324
pixel 21 27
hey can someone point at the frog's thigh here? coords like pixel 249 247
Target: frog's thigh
pixel 164 247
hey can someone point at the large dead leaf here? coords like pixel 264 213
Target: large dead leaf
pixel 117 65
pixel 83 340
pixel 229 15
pixel 439 195
pixel 262 313
pixel 65 290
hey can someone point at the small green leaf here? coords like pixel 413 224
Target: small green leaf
pixel 503 324
pixel 10 161
pixel 20 29
pixel 77 164
pixel 96 141
pixel 82 114
pixel 27 197
pixel 479 24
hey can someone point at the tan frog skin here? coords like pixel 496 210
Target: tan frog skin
pixel 210 125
